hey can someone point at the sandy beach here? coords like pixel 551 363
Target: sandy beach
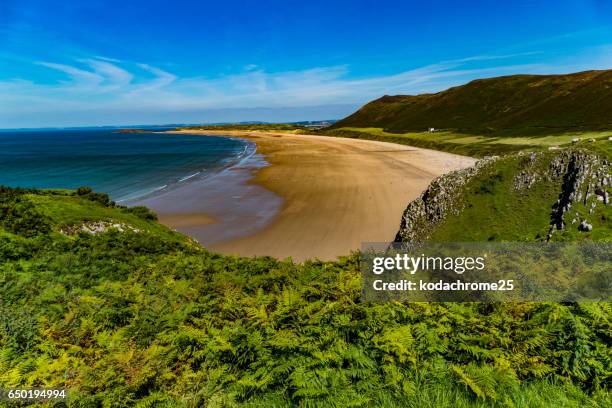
pixel 336 193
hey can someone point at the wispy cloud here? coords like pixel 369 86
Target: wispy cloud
pixel 101 58
pixel 101 76
pixel 162 78
pixel 115 76
pixel 76 74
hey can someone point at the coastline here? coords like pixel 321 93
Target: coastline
pixel 319 196
pixel 217 206
pixel 194 174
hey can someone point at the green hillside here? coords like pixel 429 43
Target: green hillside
pixel 522 105
pixel 523 197
pixel 123 312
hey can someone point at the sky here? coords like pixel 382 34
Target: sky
pixel 91 63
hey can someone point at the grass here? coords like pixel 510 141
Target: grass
pixel 534 394
pixel 493 210
pixel 470 145
pixel 554 140
pixel 66 209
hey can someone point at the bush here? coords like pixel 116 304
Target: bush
pixel 18 327
pixel 141 212
pixel 14 248
pixel 89 194
pixel 84 190
pixel 488 185
pixel 19 216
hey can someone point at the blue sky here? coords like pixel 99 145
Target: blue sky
pixel 152 62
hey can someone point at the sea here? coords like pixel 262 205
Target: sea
pixel 127 166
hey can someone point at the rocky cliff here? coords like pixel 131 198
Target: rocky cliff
pixel 526 196
pixel 442 198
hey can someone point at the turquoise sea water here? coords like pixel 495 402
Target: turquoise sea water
pixel 126 166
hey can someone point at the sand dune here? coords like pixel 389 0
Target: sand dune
pixel 337 193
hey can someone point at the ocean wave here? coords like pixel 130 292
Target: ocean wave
pixel 188 177
pixel 238 159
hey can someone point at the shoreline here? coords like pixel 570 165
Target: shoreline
pixel 218 206
pixel 188 177
pixel 328 195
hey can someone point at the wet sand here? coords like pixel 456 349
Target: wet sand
pixel 218 207
pixel 321 196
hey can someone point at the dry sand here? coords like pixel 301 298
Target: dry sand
pixel 337 193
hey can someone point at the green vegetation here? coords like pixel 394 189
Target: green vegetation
pixel 518 105
pixel 296 127
pixel 493 209
pixel 493 116
pixel 475 145
pixel 146 317
pixel 261 127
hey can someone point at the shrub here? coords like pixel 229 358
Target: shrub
pixel 84 190
pixel 89 194
pixel 19 216
pixel 141 212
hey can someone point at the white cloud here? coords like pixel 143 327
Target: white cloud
pixel 115 77
pixel 76 74
pixel 98 57
pixel 162 78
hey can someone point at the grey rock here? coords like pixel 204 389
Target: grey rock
pixel 585 226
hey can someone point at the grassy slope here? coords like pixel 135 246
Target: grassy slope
pixel 151 318
pixel 494 211
pixel 491 116
pixel 521 105
pixel 469 145
pixel 68 209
